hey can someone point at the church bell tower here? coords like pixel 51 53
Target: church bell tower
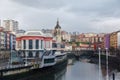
pixel 57 32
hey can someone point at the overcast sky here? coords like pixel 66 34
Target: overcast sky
pixel 74 15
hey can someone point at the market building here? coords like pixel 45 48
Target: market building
pixel 33 43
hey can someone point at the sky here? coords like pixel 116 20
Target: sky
pixel 82 16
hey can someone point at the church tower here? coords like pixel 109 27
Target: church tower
pixel 57 32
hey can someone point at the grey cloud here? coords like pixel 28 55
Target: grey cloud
pixel 46 4
pixel 83 7
pixel 74 15
pixel 105 8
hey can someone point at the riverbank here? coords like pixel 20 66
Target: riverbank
pixel 29 75
pixel 77 71
pixel 113 62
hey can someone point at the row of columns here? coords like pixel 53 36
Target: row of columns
pixel 41 44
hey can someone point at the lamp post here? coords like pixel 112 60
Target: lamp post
pixel 99 64
pixel 107 78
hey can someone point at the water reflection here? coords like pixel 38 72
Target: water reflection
pixel 83 71
pixel 51 76
pixel 60 75
pixel 78 71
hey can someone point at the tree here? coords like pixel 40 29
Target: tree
pixel 78 43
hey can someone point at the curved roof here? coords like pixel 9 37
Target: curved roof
pixel 48 35
pixel 34 33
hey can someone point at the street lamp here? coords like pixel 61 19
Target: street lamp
pixel 107 78
pixel 99 63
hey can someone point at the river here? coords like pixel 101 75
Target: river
pixel 77 71
pixel 83 71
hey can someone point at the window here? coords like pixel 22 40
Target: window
pixel 23 54
pixel 30 54
pixel 54 45
pixel 37 44
pixel 30 44
pixel 37 54
pixel 24 44
pixel 49 60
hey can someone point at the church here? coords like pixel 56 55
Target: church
pixel 57 33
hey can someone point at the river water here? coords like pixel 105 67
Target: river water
pixel 77 71
pixel 83 71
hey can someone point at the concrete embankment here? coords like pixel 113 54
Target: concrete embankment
pixel 36 72
pixel 113 62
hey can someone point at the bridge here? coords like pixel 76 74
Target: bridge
pixel 79 52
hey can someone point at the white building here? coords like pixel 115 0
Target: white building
pixel 66 36
pixel 90 34
pixel 2 40
pixel 10 25
pixel 0 22
pixel 33 43
pixel 118 40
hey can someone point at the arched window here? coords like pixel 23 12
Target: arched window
pixel 37 54
pixel 23 54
